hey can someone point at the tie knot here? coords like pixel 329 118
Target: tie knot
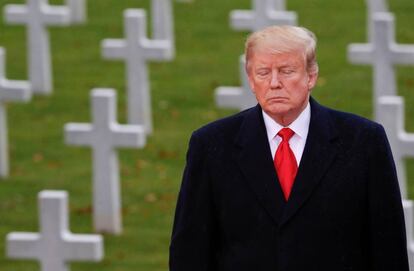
pixel 286 134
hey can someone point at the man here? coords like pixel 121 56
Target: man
pixel 288 185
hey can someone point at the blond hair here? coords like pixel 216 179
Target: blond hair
pixel 284 39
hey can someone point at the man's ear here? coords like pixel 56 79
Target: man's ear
pixel 312 78
pixel 251 84
pixel 250 80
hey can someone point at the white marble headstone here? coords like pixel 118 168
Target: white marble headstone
pixel 10 91
pixel 409 226
pixel 236 97
pixel 276 4
pixel 163 21
pixel 37 15
pixel 377 6
pixel 77 9
pixel 54 246
pixel 265 13
pixel 104 135
pixel 136 50
pixel 374 6
pixel 382 52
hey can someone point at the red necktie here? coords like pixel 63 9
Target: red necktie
pixel 285 162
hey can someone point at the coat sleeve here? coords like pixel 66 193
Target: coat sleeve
pixel 387 236
pixel 192 239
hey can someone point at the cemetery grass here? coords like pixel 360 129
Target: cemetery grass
pixel 182 100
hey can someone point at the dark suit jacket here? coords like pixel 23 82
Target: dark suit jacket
pixel 344 212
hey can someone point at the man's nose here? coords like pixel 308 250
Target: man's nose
pixel 274 81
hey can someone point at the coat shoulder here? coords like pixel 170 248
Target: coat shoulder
pixel 349 123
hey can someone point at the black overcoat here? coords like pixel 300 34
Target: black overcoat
pixel 344 211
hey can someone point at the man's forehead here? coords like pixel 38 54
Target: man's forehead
pixel 259 58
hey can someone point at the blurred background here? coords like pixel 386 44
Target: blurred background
pixel 182 100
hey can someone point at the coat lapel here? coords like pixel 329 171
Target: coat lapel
pixel 256 163
pixel 319 153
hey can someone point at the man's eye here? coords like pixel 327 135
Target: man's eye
pixel 287 71
pixel 262 73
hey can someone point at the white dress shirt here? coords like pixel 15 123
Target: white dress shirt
pixel 297 142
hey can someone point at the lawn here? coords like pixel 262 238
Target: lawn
pixel 182 100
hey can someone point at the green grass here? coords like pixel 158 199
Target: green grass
pixel 182 100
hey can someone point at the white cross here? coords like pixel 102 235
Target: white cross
pixel 162 21
pixel 377 6
pixel 37 15
pixel 54 246
pixel 374 6
pixel 10 91
pixel 263 14
pixel 383 53
pixel 409 226
pixel 136 50
pixel 236 97
pixel 77 9
pixel 277 4
pixel 391 116
pixel 104 135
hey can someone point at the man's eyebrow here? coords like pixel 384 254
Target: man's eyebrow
pixel 288 66
pixel 259 67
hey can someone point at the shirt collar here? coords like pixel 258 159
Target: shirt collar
pixel 300 125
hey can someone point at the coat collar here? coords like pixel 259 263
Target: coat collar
pixel 319 153
pixel 255 161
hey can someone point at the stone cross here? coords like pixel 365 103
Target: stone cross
pixel 236 97
pixel 10 91
pixel 263 14
pixel 162 21
pixel 391 116
pixel 77 9
pixel 374 6
pixel 377 6
pixel 136 50
pixel 277 4
pixel 383 53
pixel 54 246
pixel 409 225
pixel 104 135
pixel 38 15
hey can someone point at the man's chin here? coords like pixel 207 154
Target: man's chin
pixel 278 111
pixel 278 106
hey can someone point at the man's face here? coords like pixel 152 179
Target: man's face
pixel 281 84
